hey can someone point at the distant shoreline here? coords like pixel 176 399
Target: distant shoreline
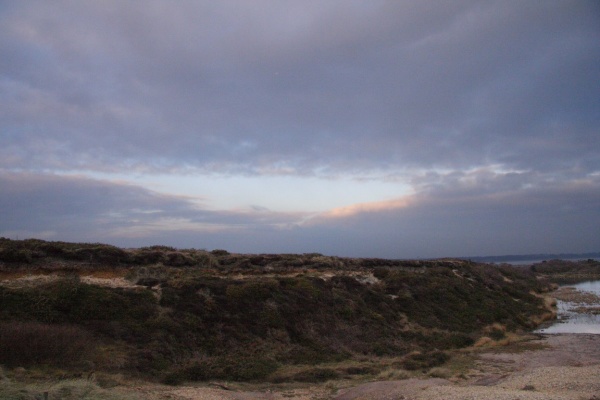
pixel 533 258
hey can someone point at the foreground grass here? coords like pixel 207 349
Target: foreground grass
pixel 68 389
pixel 329 378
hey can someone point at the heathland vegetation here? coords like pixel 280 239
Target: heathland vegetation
pixel 173 315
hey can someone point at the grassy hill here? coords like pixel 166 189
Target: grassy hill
pixel 175 315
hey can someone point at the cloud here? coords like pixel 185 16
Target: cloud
pixel 486 113
pixel 78 208
pixel 478 213
pixel 303 87
pixel 377 206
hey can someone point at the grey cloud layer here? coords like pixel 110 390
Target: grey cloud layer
pixel 474 214
pixel 79 208
pixel 489 111
pixel 300 86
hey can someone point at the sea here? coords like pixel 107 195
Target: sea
pixel 528 259
pixel 569 321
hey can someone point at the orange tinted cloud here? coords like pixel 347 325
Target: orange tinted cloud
pixel 376 206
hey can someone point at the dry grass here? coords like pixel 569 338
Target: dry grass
pixel 70 389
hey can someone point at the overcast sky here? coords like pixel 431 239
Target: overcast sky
pixel 397 129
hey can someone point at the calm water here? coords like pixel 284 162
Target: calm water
pixel 572 322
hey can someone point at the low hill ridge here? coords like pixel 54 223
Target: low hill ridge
pixel 178 315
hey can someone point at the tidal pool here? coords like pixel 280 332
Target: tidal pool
pixel 578 316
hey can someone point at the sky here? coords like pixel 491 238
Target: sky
pixel 392 129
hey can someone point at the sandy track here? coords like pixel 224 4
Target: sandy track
pixel 568 368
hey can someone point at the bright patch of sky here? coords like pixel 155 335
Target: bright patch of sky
pixel 273 193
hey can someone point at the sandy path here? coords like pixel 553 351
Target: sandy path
pixel 568 368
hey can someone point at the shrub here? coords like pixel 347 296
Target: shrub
pixel 360 371
pixel 34 343
pixel 174 378
pixel 497 334
pixel 417 361
pixel 101 254
pixel 148 256
pixel 178 259
pixel 243 367
pixel 251 292
pixel 440 372
pixel 316 375
pixel 116 312
pixel 15 255
pixel 158 247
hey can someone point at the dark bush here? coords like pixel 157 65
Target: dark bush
pixel 148 282
pixel 103 254
pixel 9 254
pixel 174 378
pixel 235 368
pixel 145 257
pixel 33 343
pixel 158 247
pixel 178 259
pixel 116 312
pixel 424 360
pixel 360 370
pixel 316 375
pixel 497 334
pixel 381 273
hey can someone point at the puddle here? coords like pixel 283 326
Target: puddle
pixel 577 315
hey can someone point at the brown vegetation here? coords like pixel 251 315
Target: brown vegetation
pixel 567 272
pixel 199 315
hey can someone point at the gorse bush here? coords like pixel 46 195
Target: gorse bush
pixel 236 368
pixel 465 299
pixel 568 272
pixel 34 251
pixel 34 343
pixel 118 313
pixel 424 361
pixel 316 375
